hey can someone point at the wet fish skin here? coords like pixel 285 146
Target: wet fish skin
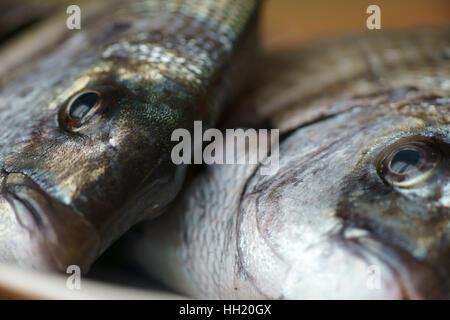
pixel 71 186
pixel 331 223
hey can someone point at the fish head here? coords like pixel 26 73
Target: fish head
pixel 359 207
pixel 97 144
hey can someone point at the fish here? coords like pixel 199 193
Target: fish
pixel 360 205
pixel 17 16
pixel 86 131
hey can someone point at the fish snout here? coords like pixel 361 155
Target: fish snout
pixel 420 280
pixel 414 278
pixel 53 235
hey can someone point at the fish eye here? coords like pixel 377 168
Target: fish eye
pixel 80 106
pixel 404 161
pixel 80 109
pixel 407 163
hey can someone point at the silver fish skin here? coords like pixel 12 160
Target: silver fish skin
pixel 85 139
pixel 360 205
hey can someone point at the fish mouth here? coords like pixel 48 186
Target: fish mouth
pixel 57 235
pixel 415 279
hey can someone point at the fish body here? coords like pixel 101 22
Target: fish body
pixel 86 134
pixel 360 205
pixel 17 15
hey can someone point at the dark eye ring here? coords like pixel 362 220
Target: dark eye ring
pixel 81 108
pixel 407 163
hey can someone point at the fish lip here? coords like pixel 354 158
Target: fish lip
pixel 419 280
pixel 416 279
pixel 57 230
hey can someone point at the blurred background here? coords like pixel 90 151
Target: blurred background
pixel 288 23
pixel 29 27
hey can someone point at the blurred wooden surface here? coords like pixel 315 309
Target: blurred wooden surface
pixel 288 23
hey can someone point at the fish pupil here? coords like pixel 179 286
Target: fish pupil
pixel 404 161
pixel 82 104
